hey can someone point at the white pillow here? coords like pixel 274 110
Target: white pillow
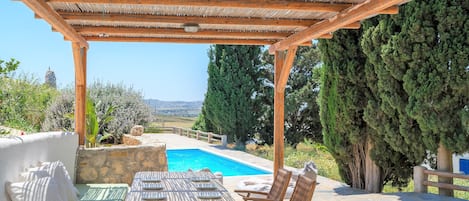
pixel 33 175
pixel 57 171
pixel 43 189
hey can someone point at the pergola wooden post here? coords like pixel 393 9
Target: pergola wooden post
pixel 283 64
pixel 79 57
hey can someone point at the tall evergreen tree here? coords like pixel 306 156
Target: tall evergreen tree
pixel 437 79
pixel 230 104
pixel 420 62
pixel 301 109
pixel 349 88
pixel 343 97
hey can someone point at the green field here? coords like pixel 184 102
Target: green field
pixel 173 121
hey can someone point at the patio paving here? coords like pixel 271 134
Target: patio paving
pixel 326 190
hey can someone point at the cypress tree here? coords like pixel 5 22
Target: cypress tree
pixel 349 89
pixel 230 105
pixel 385 109
pixel 419 77
pixel 343 97
pixel 437 79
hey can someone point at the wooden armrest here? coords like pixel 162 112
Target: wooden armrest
pixel 249 191
pixel 258 199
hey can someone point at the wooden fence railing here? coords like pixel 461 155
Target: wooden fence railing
pixel 421 182
pixel 200 135
pixel 166 129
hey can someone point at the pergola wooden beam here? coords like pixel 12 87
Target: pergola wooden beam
pixel 251 4
pixel 111 17
pixel 285 72
pixel 180 33
pixel 393 10
pixel 181 40
pixel 355 25
pixel 256 4
pixel 94 30
pixel 43 10
pixel 348 16
pixel 186 40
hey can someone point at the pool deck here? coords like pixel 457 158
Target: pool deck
pixel 326 190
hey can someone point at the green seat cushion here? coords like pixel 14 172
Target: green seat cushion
pixel 102 192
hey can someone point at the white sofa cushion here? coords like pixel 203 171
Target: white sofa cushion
pixel 58 171
pixel 42 189
pixel 33 175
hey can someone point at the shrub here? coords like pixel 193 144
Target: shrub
pixel 56 113
pixel 305 151
pixel 23 101
pixel 129 109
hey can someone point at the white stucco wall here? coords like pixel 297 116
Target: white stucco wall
pixel 20 152
pixel 456 161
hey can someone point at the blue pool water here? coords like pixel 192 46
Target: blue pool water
pixel 196 159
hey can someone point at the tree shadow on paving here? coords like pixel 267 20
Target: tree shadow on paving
pixel 345 190
pixel 357 194
pixel 221 147
pixel 411 196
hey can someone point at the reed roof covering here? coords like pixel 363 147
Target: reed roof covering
pixel 256 22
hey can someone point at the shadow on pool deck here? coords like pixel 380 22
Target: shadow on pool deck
pixel 326 190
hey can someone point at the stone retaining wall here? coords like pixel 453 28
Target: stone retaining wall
pixel 119 164
pixel 130 140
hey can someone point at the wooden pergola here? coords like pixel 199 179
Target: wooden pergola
pixel 282 24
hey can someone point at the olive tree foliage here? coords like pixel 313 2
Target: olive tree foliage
pixel 56 114
pixel 129 109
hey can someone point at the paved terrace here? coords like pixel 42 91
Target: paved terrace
pixel 326 190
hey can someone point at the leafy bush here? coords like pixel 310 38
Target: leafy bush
pixel 55 119
pixel 129 109
pixel 23 101
pixel 305 151
pixel 8 67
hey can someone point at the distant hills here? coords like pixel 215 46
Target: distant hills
pixel 175 108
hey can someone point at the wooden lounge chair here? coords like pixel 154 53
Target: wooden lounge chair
pixel 277 191
pixel 304 189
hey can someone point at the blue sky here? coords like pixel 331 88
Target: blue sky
pixel 158 70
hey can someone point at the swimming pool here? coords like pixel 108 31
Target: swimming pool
pixel 196 159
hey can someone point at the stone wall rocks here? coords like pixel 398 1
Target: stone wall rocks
pixel 119 164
